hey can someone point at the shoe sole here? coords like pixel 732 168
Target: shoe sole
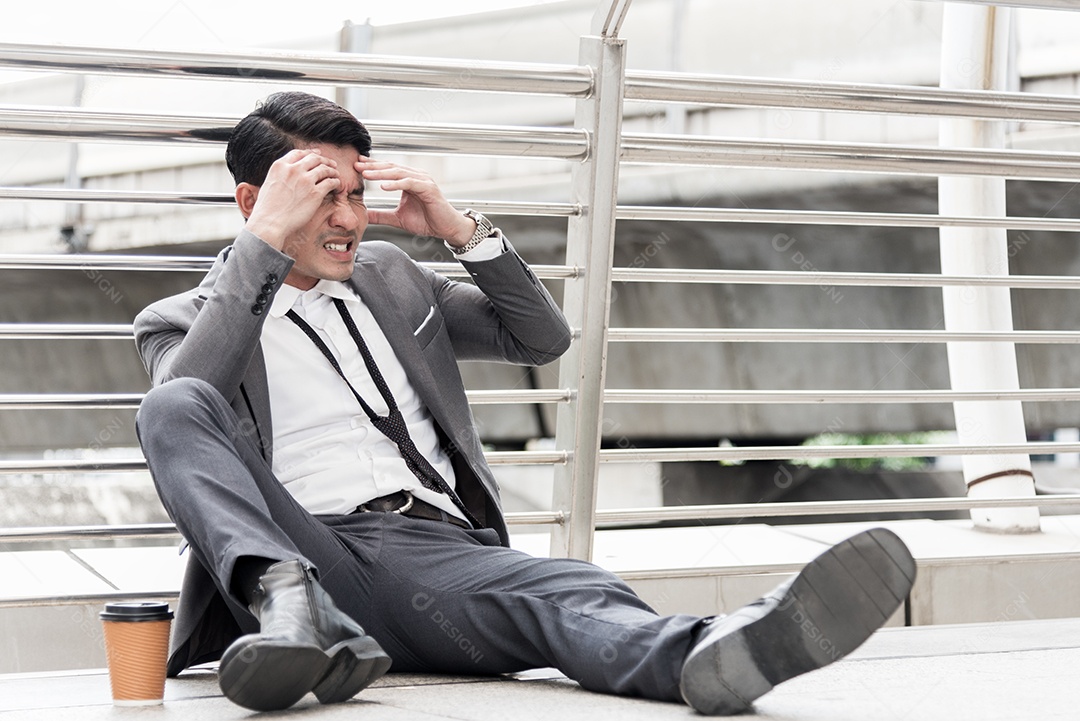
pixel 355 665
pixel 835 603
pixel 265 675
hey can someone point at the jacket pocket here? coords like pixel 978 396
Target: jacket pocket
pixel 429 327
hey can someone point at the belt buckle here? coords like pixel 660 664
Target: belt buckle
pixel 402 509
pixel 408 503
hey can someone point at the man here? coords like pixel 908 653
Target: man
pixel 309 434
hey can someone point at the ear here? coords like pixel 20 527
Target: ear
pixel 246 195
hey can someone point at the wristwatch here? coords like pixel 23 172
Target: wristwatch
pixel 484 230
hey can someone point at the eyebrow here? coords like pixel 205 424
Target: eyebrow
pixel 357 192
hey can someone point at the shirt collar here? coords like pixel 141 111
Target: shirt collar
pixel 288 295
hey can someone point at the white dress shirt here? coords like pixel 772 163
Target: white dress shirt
pixel 326 452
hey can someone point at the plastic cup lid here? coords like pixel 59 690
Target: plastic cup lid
pixel 136 611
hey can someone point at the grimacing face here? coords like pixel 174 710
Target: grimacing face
pixel 324 249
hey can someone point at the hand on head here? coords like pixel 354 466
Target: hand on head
pixel 294 189
pixel 422 209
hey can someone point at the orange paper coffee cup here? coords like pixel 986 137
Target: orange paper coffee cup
pixel 137 647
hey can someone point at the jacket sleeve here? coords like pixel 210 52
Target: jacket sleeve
pixel 508 315
pixel 222 339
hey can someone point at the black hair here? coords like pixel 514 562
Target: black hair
pixel 281 123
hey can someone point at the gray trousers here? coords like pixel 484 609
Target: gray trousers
pixel 439 599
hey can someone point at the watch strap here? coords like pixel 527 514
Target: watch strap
pixel 484 230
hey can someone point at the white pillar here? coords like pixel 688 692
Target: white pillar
pixel 975 50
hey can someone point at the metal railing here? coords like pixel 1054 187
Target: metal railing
pixel 600 84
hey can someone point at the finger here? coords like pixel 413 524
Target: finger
pixel 414 186
pixel 313 159
pixel 391 174
pixel 323 171
pixel 328 184
pixel 371 162
pixel 381 217
pixel 295 154
pixel 302 161
pixel 382 166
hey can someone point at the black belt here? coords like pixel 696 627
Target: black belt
pixel 407 504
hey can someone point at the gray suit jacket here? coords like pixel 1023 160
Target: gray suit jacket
pixel 212 332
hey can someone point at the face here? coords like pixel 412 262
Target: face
pixel 325 248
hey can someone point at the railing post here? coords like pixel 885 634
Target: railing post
pixel 975 49
pixel 589 246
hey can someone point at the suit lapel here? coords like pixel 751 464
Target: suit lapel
pixel 371 286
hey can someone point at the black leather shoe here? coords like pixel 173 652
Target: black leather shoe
pixel 305 643
pixel 834 604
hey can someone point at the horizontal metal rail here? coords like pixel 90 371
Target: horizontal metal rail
pixel 125 465
pixel 105 261
pixel 71 401
pixel 818 278
pixel 60 331
pixel 801 508
pixel 839 218
pixel 821 397
pixel 68 401
pixel 826 335
pixel 165 263
pixel 169 263
pixel 733 91
pixel 119 331
pixel 312 68
pixel 74 401
pixel 79 533
pixel 566 143
pixel 85 195
pixel 782 453
pixel 635 455
pixel 546 79
pixel 622 212
pixel 853 157
pixel 88 599
pixel 167 530
pixel 69 123
pixel 546 272
pixel 555 395
pixel 1033 4
pixel 620 516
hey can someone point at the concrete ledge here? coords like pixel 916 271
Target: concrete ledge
pixel 965 576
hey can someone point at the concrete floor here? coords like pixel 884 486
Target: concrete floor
pixel 983 672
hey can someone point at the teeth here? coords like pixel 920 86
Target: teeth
pixel 339 247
